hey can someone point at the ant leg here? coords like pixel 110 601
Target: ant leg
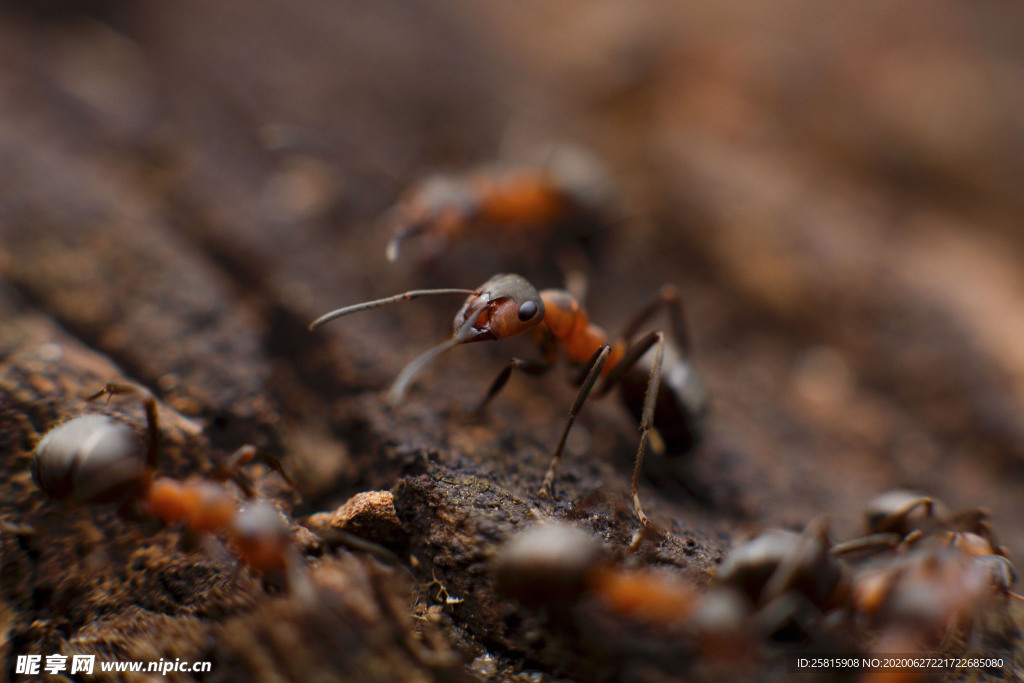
pixel 240 457
pixel 339 537
pixel 647 423
pixel 594 367
pixel 534 368
pixel 231 469
pixel 909 540
pixel 149 403
pixel 886 541
pixel 813 545
pixel 391 250
pixel 896 517
pixel 629 359
pixel 668 297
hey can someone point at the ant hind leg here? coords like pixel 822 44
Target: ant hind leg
pixel 667 298
pixel 647 423
pixel 629 359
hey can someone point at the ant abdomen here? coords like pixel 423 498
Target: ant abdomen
pixel 90 460
pixel 682 407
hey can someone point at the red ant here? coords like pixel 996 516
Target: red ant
pixel 508 305
pixel 91 460
pixel 565 198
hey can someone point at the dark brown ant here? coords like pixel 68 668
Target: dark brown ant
pixel 923 597
pixel 781 566
pixel 564 199
pixel 902 518
pixel 508 305
pixel 92 460
pixel 936 581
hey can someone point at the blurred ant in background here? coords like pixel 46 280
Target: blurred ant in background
pixel 92 460
pixel 567 573
pixel 551 215
pixel 918 601
pixel 564 200
pixel 674 400
pixel 791 579
pixel 902 518
pixel 941 574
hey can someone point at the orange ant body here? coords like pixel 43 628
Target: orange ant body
pixel 566 199
pixel 92 460
pixel 508 305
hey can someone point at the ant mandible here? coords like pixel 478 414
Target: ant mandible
pixel 92 460
pixel 508 305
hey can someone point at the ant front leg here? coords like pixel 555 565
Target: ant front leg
pixel 534 368
pixel 594 367
pixel 149 403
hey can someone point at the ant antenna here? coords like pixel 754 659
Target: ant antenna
pixel 416 293
pixel 401 383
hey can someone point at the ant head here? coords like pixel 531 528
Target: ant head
pixel 504 306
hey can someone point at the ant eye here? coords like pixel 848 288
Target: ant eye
pixel 528 310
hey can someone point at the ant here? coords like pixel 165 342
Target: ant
pixel 92 460
pixel 508 305
pixel 900 518
pixel 790 580
pixel 556 567
pixel 943 571
pixel 933 591
pixel 565 199
pixel 552 565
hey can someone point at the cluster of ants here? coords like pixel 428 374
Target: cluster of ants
pixel 917 576
pixel 919 579
pixel 919 572
pixel 94 460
